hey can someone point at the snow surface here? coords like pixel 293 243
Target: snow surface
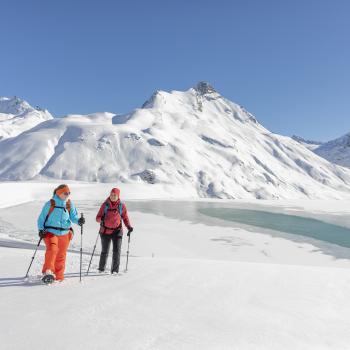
pixel 336 151
pixel 189 285
pixel 197 140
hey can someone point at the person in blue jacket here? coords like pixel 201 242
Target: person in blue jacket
pixel 55 228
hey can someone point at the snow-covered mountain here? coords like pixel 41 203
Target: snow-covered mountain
pixel 310 144
pixel 196 139
pixel 336 151
pixel 17 115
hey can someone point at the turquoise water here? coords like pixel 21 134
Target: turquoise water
pixel 325 228
pixel 285 223
pixel 206 212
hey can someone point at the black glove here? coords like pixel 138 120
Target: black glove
pixel 42 233
pixel 81 221
pixel 130 230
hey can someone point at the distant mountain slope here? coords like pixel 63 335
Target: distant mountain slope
pixel 336 151
pixel 312 145
pixel 17 115
pixel 197 139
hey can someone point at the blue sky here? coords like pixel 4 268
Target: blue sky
pixel 287 62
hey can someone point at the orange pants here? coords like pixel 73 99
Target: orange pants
pixel 56 251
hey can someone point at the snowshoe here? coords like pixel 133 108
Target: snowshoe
pixel 48 277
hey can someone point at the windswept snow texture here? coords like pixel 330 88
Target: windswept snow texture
pixel 195 139
pixel 336 151
pixel 190 285
pixel 312 145
pixel 17 116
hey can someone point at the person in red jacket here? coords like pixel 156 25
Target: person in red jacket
pixel 110 216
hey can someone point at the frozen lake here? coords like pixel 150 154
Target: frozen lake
pixel 229 214
pixel 293 224
pixel 20 221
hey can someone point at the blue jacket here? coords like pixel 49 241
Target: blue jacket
pixel 59 217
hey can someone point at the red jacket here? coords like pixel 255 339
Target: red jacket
pixel 112 220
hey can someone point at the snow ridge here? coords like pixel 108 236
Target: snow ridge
pixel 195 139
pixel 336 151
pixel 17 115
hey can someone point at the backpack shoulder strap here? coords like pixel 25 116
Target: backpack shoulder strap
pixel 120 208
pixel 105 209
pixel 52 207
pixel 68 205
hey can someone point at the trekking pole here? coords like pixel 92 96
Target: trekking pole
pixel 127 253
pixel 30 265
pixel 81 247
pixel 92 255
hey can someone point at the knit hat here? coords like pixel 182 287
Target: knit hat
pixel 116 191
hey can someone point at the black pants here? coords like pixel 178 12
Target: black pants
pixel 116 238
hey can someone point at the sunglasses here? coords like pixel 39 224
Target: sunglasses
pixel 66 193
